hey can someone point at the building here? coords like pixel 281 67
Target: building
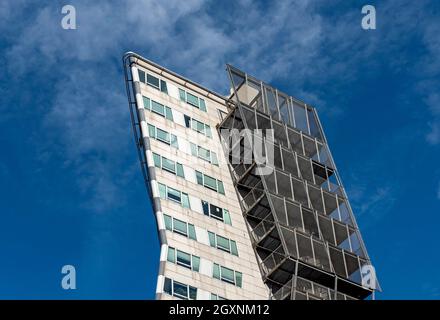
pixel 233 227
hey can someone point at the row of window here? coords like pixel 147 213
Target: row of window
pixel 152 81
pixel 192 100
pixel 179 290
pixel 188 230
pixel 183 259
pixel 163 136
pixel 198 126
pixel 158 108
pixel 227 275
pixel 205 154
pixel 181 227
pixel 222 243
pixel 215 212
pixel 168 165
pixel 210 182
pixel 168 193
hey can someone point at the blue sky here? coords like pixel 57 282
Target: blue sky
pixel 70 184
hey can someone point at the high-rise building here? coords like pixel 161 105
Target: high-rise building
pixel 230 225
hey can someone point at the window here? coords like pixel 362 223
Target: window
pixel 222 243
pixel 215 212
pixel 153 81
pixel 180 227
pixel 198 126
pixel 158 108
pixel 163 136
pixel 141 75
pixel 210 182
pixel 204 154
pixel 216 297
pixel 192 99
pixel 180 290
pixel 168 193
pixel 183 259
pixel 227 275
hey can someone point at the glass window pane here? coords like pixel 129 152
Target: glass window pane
pixel 163 86
pixel 151 80
pixel 204 154
pixel 187 121
pixel 200 127
pixel 162 190
pixel 205 206
pixel 216 212
pixel 174 141
pixel 214 296
pixel 238 279
pixel 227 217
pixel 157 107
pixel 174 195
pixel 195 263
pixel 192 99
pixel 146 102
pixel 185 200
pixel 234 250
pixel 168 222
pixel 180 226
pixel 210 182
pixel 179 170
pixel 227 275
pixel 223 243
pixel 182 95
pixel 202 105
pixel 199 178
pixel 211 236
pixel 141 76
pixel 156 160
pixel 193 149
pixel 168 165
pixel 300 118
pixel 192 232
pixel 171 255
pixel 180 290
pixel 192 293
pixel 214 159
pixel 152 131
pixel 168 113
pixel 183 259
pixel 163 136
pixel 167 286
pixel 220 187
pixel 208 131
pixel 216 271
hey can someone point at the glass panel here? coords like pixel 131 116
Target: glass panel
pixel 162 190
pixel 174 195
pixel 238 279
pixel 157 107
pixel 163 86
pixel 300 117
pixel 141 76
pixel 146 102
pixel 192 232
pixel 168 222
pixel 210 182
pixel 205 206
pixel 195 263
pixel 180 226
pixel 168 113
pixel 199 178
pixel 163 136
pixel 208 131
pixel 174 141
pixel 193 149
pixel 185 200
pixel 180 290
pixel 167 286
pixel 153 81
pixel 234 249
pixel 182 95
pixel 202 105
pixel 204 154
pixel 227 275
pixel 216 212
pixel 156 160
pixel 168 165
pixel 152 131
pixel 171 255
pixel 179 170
pixel 192 293
pixel 223 243
pixel 187 121
pixel 183 259
pixel 214 159
pixel 221 188
pixel 192 99
pixel 227 217
pixel 216 271
pixel 211 236
pixel 314 129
